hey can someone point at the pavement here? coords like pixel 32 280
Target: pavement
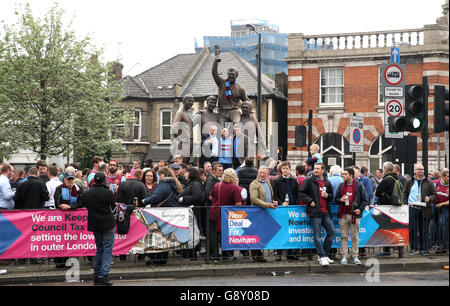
pixel 177 267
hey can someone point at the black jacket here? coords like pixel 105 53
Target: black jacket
pixel 192 194
pixel 246 176
pixel 99 201
pixel 309 192
pixel 209 184
pixel 360 201
pixel 58 196
pixel 386 187
pixel 31 194
pixel 427 189
pixel 130 189
pixel 280 190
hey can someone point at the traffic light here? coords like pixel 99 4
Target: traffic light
pixel 415 113
pixel 300 136
pixel 397 124
pixel 441 117
pixel 280 153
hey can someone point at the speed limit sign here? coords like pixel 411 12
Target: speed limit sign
pixel 393 108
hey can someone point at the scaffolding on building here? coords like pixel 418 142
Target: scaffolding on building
pixel 274 45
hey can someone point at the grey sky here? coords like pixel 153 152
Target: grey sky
pixel 150 32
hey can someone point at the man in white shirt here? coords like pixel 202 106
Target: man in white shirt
pixel 51 186
pixel 210 149
pixel 6 193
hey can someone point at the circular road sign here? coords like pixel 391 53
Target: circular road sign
pixel 393 75
pixel 394 108
pixel 356 136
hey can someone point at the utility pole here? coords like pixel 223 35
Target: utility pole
pixel 425 135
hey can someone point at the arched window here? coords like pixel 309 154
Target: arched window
pixel 380 151
pixel 335 150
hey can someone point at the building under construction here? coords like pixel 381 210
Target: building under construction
pixel 244 41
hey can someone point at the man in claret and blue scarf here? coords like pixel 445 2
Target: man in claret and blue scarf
pixel 231 94
pixel 65 195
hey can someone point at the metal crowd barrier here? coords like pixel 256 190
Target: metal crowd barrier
pixel 423 235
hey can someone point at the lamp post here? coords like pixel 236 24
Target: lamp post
pixel 251 27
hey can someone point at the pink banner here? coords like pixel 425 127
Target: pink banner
pixel 56 233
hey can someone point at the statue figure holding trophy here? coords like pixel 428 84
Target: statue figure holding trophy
pixel 231 94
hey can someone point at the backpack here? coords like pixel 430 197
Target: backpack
pixel 123 213
pixel 397 193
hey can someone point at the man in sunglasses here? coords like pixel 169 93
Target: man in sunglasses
pixel 66 194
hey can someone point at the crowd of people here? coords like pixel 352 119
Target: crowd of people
pixel 271 185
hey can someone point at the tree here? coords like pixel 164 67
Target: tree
pixel 56 97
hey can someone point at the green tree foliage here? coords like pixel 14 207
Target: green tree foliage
pixel 56 97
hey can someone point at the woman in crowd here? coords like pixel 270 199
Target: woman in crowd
pixel 149 180
pixel 225 193
pixel 166 194
pixel 192 195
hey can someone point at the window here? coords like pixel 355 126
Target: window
pixel 335 150
pixel 119 131
pixel 137 124
pixel 380 152
pixel 332 86
pixel 166 121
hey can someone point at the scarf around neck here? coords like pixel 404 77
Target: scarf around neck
pixel 69 196
pixel 228 92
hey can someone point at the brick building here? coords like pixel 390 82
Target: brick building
pixel 336 75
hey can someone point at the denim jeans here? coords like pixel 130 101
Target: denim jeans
pixel 317 223
pixel 443 228
pixel 104 242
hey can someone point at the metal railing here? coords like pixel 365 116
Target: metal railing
pixel 423 227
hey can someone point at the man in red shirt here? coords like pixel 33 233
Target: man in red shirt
pixel 114 178
pixel 351 197
pixel 316 192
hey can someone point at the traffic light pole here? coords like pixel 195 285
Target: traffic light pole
pixel 310 117
pixel 425 135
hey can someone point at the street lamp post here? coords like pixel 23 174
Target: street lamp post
pixel 251 27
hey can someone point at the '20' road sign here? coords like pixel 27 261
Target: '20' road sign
pixel 394 108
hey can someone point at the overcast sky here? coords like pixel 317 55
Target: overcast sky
pixel 145 33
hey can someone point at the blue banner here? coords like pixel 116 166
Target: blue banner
pixel 288 227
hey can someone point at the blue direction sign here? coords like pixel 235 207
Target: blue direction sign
pixel 395 55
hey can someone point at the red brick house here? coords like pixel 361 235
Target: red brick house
pixel 336 75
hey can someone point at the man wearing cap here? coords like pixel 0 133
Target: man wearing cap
pixel 176 170
pixel 66 194
pixel 99 201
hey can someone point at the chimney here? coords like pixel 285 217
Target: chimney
pixel 281 83
pixel 115 70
